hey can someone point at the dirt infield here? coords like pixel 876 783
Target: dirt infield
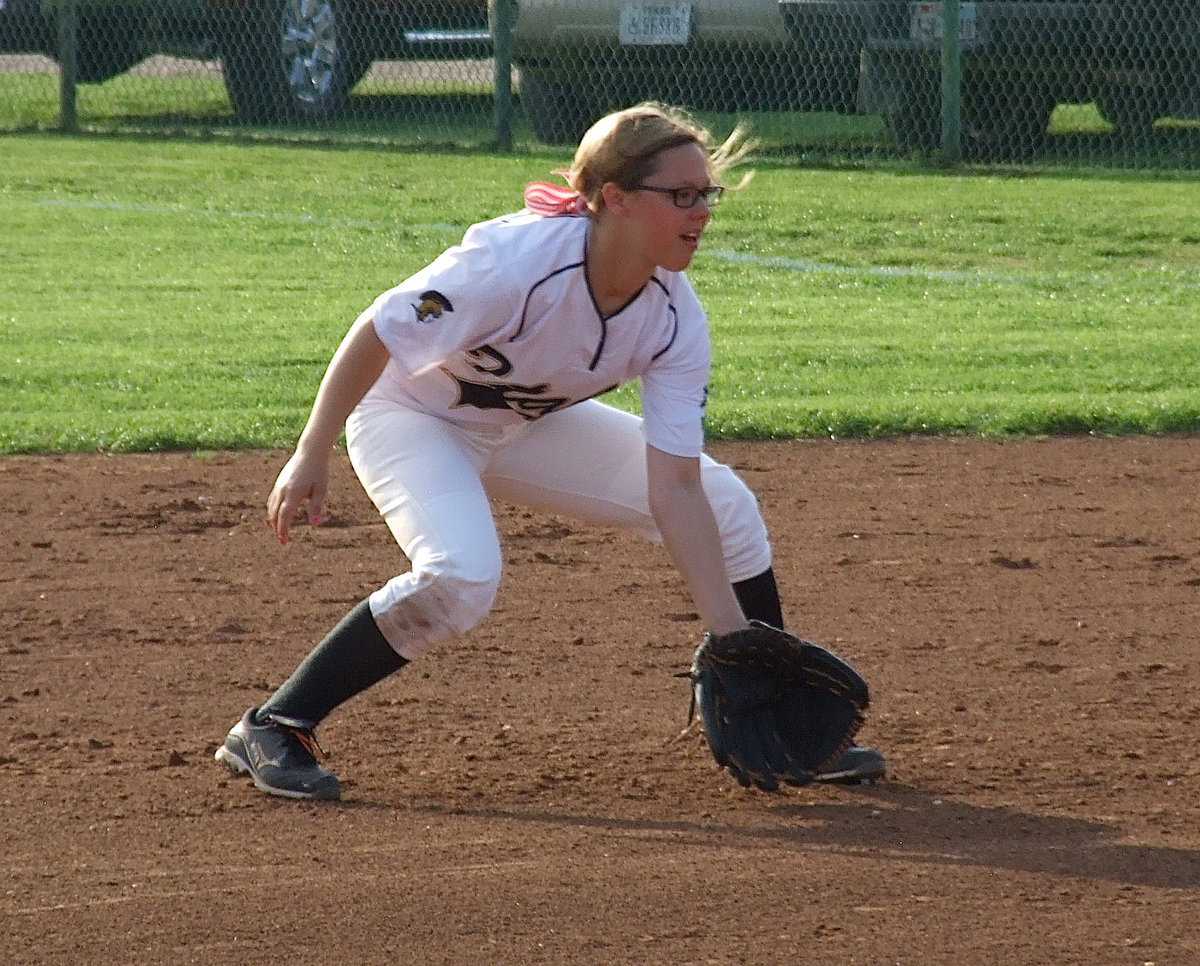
pixel 1026 613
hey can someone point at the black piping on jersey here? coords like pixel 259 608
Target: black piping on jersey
pixel 538 284
pixel 600 315
pixel 674 319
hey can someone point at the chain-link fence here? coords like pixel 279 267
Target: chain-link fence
pixel 1084 81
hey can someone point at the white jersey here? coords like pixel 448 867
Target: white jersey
pixel 503 328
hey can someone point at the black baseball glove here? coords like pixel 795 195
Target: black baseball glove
pixel 775 707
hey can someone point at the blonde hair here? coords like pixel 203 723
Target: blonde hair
pixel 624 148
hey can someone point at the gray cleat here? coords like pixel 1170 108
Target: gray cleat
pixel 280 756
pixel 859 766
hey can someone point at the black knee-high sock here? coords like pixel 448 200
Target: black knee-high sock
pixel 759 597
pixel 351 658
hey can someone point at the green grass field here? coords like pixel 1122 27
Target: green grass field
pixel 187 294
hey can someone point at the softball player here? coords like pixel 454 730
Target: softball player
pixel 476 379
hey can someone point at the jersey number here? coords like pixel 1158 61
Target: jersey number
pixel 530 402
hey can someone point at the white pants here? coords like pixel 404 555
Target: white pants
pixel 433 482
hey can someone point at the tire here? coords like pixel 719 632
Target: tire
pixel 914 116
pixel 836 88
pixel 109 43
pixel 1130 110
pixel 292 60
pixel 1005 119
pixel 559 113
pixel 1002 119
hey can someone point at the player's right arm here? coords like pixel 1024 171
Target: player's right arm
pixel 356 365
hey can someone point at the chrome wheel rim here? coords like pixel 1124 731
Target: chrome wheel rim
pixel 310 49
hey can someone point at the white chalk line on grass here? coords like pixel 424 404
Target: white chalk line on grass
pixel 873 271
pixel 799 265
pixel 745 258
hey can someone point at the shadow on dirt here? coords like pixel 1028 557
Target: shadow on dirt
pixel 904 823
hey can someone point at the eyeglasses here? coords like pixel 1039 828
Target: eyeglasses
pixel 687 197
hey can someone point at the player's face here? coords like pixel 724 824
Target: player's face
pixel 672 234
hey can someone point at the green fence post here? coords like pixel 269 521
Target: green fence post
pixel 951 83
pixel 502 23
pixel 68 53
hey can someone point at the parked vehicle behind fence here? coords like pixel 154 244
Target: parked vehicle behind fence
pixel 579 58
pixel 283 60
pixel 1137 60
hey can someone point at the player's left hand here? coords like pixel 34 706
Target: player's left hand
pixel 776 708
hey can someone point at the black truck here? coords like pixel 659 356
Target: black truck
pixel 1137 60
